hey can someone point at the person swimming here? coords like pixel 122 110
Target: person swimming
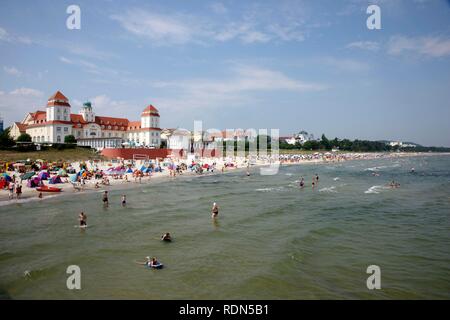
pixel 124 200
pixel 166 237
pixel 83 219
pixel 153 262
pixel 214 210
pixel 394 184
pixel 302 182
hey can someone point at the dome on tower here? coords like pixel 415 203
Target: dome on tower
pixel 150 111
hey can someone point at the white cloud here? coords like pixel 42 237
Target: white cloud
pixel 422 46
pixel 27 92
pixel 65 60
pixel 7 37
pixel 364 45
pixel 16 103
pixel 105 106
pixel 290 32
pixel 256 25
pixel 239 89
pixel 4 35
pixel 12 71
pixel 89 66
pixel 347 65
pixel 218 8
pixel 160 28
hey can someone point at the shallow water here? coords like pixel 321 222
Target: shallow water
pixel 271 240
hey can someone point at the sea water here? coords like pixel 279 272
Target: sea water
pixel 271 240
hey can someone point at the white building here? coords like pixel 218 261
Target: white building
pixel 57 122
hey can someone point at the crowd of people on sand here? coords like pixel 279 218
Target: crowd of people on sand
pixel 81 176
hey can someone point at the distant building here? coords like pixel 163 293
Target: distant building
pixel 300 138
pixel 17 129
pixel 401 144
pixel 57 122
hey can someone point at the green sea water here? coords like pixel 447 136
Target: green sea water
pixel 270 241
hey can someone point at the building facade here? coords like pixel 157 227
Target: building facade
pixel 57 122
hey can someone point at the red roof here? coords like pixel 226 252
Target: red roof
pixel 77 118
pixel 58 99
pixel 38 115
pixel 111 121
pixel 58 96
pixel 150 110
pixel 22 127
pixel 134 125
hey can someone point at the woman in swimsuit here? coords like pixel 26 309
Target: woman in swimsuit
pixel 83 219
pixel 214 210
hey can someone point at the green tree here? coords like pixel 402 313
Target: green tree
pixel 325 143
pixel 24 137
pixel 70 139
pixel 6 140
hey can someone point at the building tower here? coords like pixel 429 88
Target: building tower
pixel 58 108
pixel 150 126
pixel 87 113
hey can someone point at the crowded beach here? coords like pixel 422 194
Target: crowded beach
pixel 28 179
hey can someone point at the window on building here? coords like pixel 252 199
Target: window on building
pixel 58 129
pixel 66 129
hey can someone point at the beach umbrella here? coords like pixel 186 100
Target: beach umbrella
pixel 18 164
pixel 43 175
pixel 27 175
pixel 7 177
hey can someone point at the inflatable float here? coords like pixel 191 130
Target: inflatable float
pixel 48 189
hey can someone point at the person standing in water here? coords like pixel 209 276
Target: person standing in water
pixel 18 191
pixel 11 187
pixel 214 210
pixel 124 200
pixel 83 219
pixel 317 178
pixel 313 183
pixel 105 198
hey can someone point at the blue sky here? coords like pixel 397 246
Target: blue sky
pixel 291 65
